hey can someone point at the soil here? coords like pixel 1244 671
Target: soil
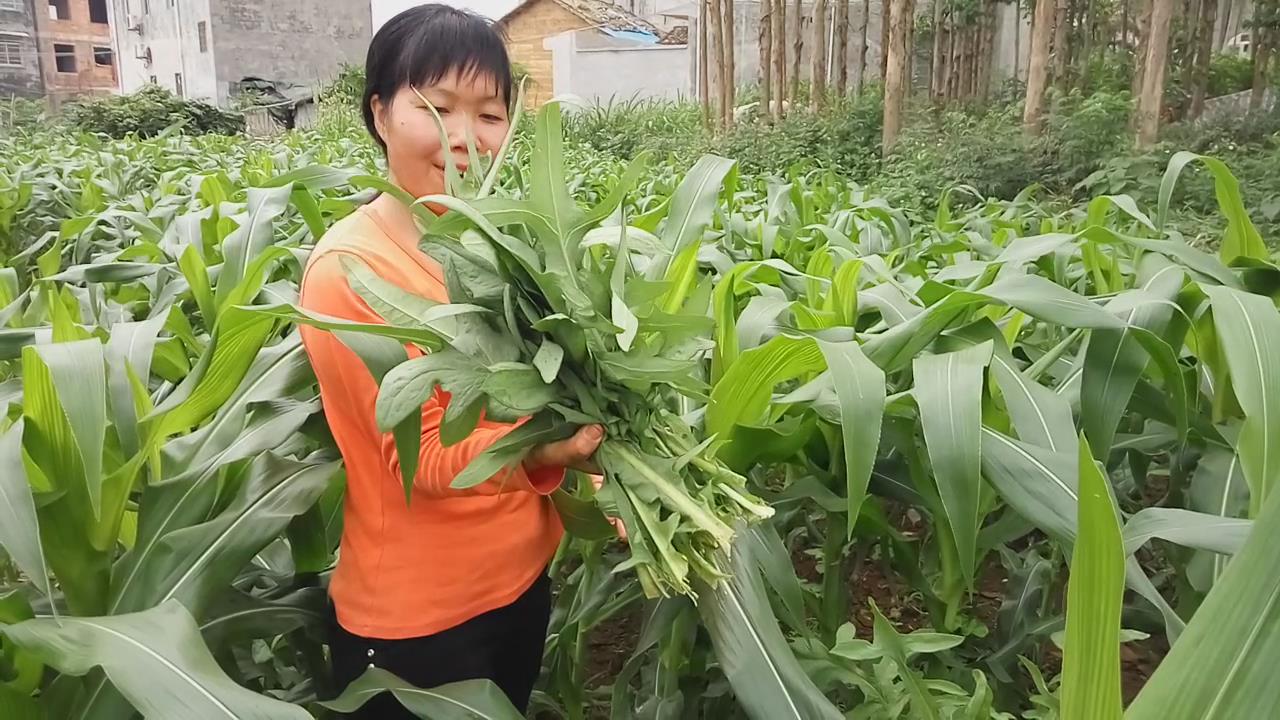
pixel 609 644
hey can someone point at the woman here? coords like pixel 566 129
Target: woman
pixel 451 585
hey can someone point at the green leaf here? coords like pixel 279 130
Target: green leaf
pixel 254 235
pixel 548 360
pixel 693 207
pixel 1222 666
pixel 155 658
pixel 766 677
pixel 1242 238
pixel 1040 484
pixel 895 648
pixel 192 563
pixel 1223 535
pixel 19 525
pixel 78 371
pixel 948 391
pixel 860 387
pixel 130 350
pixel 582 518
pixel 1249 332
pixel 1046 300
pixel 742 395
pixel 466 700
pixel 418 336
pixel 1091 658
pixel 510 450
pixel 223 365
pixel 1115 359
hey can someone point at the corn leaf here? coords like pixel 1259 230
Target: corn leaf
pixel 1091 656
pixel 948 391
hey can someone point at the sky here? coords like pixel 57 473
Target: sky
pixel 384 10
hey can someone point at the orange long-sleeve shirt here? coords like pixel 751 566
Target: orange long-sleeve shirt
pixel 409 570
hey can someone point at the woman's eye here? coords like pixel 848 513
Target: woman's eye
pixel 491 118
pixel 442 110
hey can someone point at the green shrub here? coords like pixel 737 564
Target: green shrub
pixel 1229 74
pixel 845 136
pixel 149 112
pixel 1081 133
pixel 624 128
pixel 22 113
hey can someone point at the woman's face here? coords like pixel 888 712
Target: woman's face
pixel 416 154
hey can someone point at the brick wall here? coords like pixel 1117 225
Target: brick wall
pixel 82 35
pixel 526 29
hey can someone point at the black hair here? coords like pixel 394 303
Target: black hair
pixel 424 44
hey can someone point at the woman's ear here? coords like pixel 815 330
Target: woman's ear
pixel 379 115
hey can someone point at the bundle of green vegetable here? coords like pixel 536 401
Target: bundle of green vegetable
pixel 568 316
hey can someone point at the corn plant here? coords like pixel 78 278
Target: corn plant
pixel 1045 394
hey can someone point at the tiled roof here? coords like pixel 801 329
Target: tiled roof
pixel 600 14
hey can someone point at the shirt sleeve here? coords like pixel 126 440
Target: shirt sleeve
pixel 327 292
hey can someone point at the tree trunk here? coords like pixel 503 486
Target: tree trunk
pixel 886 17
pixel 896 77
pixel 1088 16
pixel 798 49
pixel 1038 67
pixel 937 81
pixel 779 54
pixel 716 57
pixel 704 77
pixel 864 52
pixel 765 43
pixel 986 49
pixel 1061 35
pixel 1140 54
pixel 1208 16
pixel 818 67
pixel 731 79
pixel 1153 76
pixel 841 50
pixel 1261 59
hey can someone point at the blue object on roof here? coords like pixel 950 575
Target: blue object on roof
pixel 647 38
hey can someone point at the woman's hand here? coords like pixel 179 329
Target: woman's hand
pixel 573 452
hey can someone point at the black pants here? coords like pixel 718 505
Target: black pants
pixel 503 645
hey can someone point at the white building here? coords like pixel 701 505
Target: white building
pixel 204 48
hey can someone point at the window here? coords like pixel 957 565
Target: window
pixel 10 51
pixel 98 12
pixel 202 29
pixel 153 80
pixel 59 10
pixel 64 58
pixel 14 5
pixel 103 56
pixel 177 85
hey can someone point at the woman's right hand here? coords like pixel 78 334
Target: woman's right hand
pixel 573 452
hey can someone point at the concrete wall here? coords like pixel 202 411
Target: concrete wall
pixel 19 26
pixel 83 35
pixel 172 36
pixel 597 68
pixel 298 41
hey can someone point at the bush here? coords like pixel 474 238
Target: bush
pixel 625 128
pixel 22 113
pixel 149 112
pixel 1229 74
pixel 1081 134
pixel 845 136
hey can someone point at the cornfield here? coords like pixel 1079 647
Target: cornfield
pixel 967 466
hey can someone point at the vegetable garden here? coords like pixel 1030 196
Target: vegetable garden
pixel 1008 460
